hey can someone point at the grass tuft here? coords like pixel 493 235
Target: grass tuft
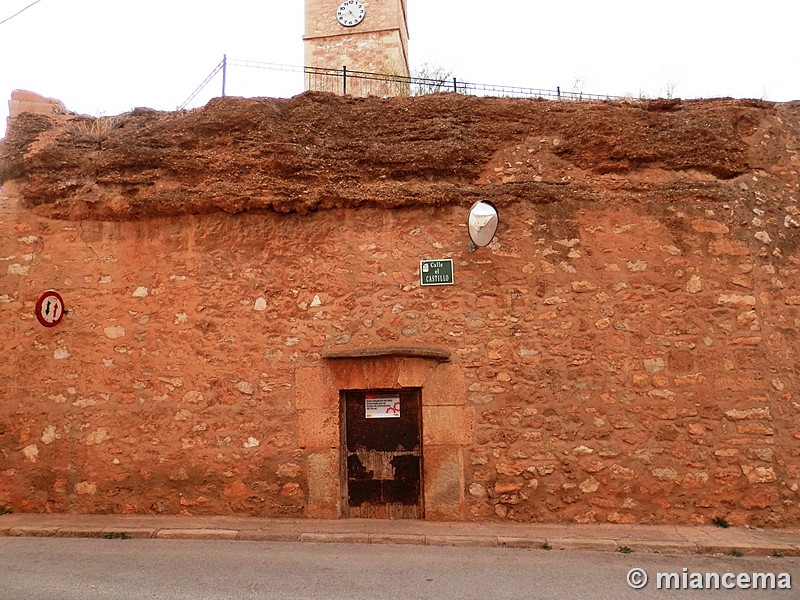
pixel 720 522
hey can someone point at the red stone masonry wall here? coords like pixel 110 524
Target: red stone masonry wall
pixel 625 355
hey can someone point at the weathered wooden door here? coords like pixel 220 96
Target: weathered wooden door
pixel 382 454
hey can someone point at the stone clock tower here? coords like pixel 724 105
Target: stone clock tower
pixel 363 35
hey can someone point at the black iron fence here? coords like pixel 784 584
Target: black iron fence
pixel 362 83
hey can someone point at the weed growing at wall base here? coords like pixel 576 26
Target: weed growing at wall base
pixel 720 522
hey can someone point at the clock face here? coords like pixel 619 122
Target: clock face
pixel 350 13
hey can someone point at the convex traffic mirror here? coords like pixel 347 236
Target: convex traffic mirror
pixel 482 224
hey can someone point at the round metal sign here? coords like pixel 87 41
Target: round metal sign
pixel 50 308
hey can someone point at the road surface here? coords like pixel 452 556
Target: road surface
pixel 87 569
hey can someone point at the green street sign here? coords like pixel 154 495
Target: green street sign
pixel 436 272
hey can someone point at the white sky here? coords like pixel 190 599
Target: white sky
pixel 109 56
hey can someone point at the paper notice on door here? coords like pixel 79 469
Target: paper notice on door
pixel 383 406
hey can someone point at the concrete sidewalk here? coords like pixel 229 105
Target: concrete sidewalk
pixel 639 538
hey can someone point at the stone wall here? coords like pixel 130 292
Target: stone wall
pixel 623 365
pixel 624 351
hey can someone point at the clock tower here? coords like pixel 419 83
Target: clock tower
pixel 362 35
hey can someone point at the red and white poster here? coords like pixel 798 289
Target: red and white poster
pixel 382 406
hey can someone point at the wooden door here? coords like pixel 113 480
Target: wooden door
pixel 382 458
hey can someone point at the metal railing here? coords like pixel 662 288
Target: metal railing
pixel 362 83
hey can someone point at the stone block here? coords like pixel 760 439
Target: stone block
pixel 415 539
pixel 444 484
pixel 381 372
pixel 728 248
pixel 759 474
pixel 318 428
pixel 324 485
pixel 444 386
pixel 23 101
pixel 335 538
pixel 197 534
pixel 447 425
pixel 315 387
pixel 474 541
pixel 709 226
pixel 757 412
pixel 413 372
pixel 350 374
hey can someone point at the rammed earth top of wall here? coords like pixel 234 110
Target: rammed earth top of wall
pixel 626 350
pixel 318 151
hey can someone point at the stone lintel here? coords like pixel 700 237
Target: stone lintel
pixel 402 351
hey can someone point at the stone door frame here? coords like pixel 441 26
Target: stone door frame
pixel 447 423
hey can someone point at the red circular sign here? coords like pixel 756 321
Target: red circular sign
pixel 50 308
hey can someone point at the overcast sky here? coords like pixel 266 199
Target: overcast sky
pixel 104 57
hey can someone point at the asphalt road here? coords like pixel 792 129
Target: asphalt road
pixel 87 569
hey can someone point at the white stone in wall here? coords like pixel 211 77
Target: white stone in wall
pixel 671 250
pixel 31 453
pixel 694 285
pixel 82 402
pixel 49 435
pixel 638 265
pixel 61 353
pixel 245 387
pixel 568 268
pixel 251 443
pixel 478 491
pixel 114 332
pixel 96 437
pixel 84 488
pixel 140 292
pixel 182 415
pixel 589 485
pixel 18 269
pixel 763 237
